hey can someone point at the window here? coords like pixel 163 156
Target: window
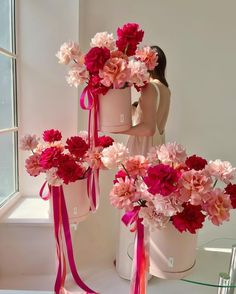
pixel 8 103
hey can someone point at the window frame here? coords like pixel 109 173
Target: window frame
pixel 12 198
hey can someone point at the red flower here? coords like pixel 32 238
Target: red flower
pixel 69 170
pixel 96 87
pixel 96 58
pixel 105 141
pixel 52 135
pixel 50 157
pixel 162 179
pixel 128 38
pixel 77 146
pixel 231 191
pixel 190 219
pixel 196 162
pixel 120 174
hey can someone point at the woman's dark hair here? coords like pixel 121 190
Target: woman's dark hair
pixel 159 71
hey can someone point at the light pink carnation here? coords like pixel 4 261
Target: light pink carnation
pixel 32 165
pixel 171 153
pixel 41 147
pixel 52 177
pixel 68 51
pixel 194 185
pixel 139 73
pixel 123 194
pixel 103 39
pixel 169 205
pixel 93 157
pixel 77 75
pixel 29 142
pixel 136 165
pixel 222 170
pixel 152 218
pixel 148 56
pixel 114 155
pixel 218 207
pixel 115 73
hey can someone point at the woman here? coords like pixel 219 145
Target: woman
pixel 150 115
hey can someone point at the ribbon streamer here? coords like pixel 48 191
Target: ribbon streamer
pixel 61 224
pixel 93 175
pixel 138 280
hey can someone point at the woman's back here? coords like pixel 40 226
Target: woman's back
pixel 142 144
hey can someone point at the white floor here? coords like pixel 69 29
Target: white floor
pixel 102 279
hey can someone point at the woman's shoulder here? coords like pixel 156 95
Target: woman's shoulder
pixel 160 85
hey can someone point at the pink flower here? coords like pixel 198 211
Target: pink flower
pixel 190 219
pixel 52 177
pixel 51 135
pixel 95 85
pixel 169 205
pixel 115 73
pixel 152 218
pixel 93 157
pixel 193 185
pixel 50 157
pixel 33 166
pixel 83 135
pixel 222 170
pixel 162 179
pixel 231 191
pixel 136 165
pixel 171 153
pixel 196 162
pixel 77 75
pixel 120 174
pixel 139 74
pixel 96 58
pixel 67 52
pixel 77 146
pixel 29 142
pixel 218 206
pixel 69 170
pixel 105 141
pixel 148 56
pixel 114 155
pixel 103 39
pixel 123 194
pixel 129 36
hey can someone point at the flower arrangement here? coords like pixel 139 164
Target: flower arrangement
pixel 65 163
pixel 62 163
pixel 169 186
pixel 110 63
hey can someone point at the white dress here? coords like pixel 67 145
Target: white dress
pixel 137 145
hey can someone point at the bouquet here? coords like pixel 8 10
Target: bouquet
pixel 110 63
pixel 63 163
pixel 169 186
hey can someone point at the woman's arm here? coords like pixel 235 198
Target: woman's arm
pixel 148 101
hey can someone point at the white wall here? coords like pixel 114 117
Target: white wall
pixel 45 99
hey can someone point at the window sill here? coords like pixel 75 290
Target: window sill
pixel 28 210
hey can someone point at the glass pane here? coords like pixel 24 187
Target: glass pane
pixel 5 24
pixel 7 165
pixel 6 92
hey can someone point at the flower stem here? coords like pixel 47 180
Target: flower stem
pixel 215 183
pixel 125 170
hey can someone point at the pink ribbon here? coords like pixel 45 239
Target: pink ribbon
pixel 61 223
pixel 93 175
pixel 138 280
